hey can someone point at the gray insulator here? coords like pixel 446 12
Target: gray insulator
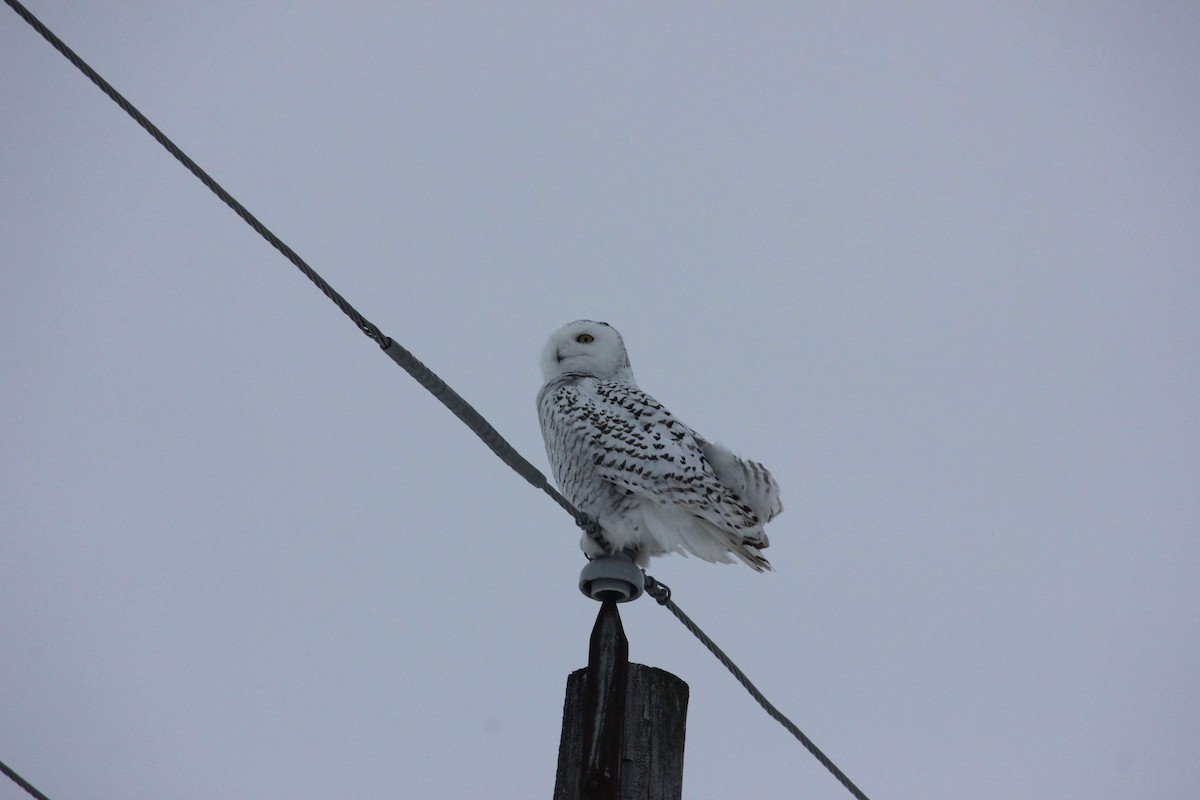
pixel 612 578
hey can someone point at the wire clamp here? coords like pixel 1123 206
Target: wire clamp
pixel 659 591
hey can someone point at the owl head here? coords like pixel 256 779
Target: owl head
pixel 593 348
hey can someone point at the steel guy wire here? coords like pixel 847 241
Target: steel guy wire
pixel 426 378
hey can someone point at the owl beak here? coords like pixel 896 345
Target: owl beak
pixel 558 356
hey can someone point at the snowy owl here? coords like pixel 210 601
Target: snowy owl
pixel 652 484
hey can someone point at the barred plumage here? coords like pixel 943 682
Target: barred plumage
pixel 653 484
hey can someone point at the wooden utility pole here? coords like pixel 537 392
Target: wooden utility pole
pixel 623 724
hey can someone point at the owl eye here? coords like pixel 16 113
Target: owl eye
pixel 585 338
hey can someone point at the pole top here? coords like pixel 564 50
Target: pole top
pixel 612 578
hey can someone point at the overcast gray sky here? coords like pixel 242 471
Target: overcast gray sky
pixel 934 264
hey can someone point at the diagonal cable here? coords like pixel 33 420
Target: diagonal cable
pixel 421 373
pixel 427 379
pixel 662 593
pixel 19 781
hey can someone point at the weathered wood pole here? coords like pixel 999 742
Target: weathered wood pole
pixel 623 724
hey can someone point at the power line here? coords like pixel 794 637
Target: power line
pixel 19 781
pixel 423 375
pixel 426 378
pixel 662 593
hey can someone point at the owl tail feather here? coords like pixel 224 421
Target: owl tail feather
pixel 751 556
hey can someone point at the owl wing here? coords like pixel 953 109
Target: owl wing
pixel 639 447
pixel 749 480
